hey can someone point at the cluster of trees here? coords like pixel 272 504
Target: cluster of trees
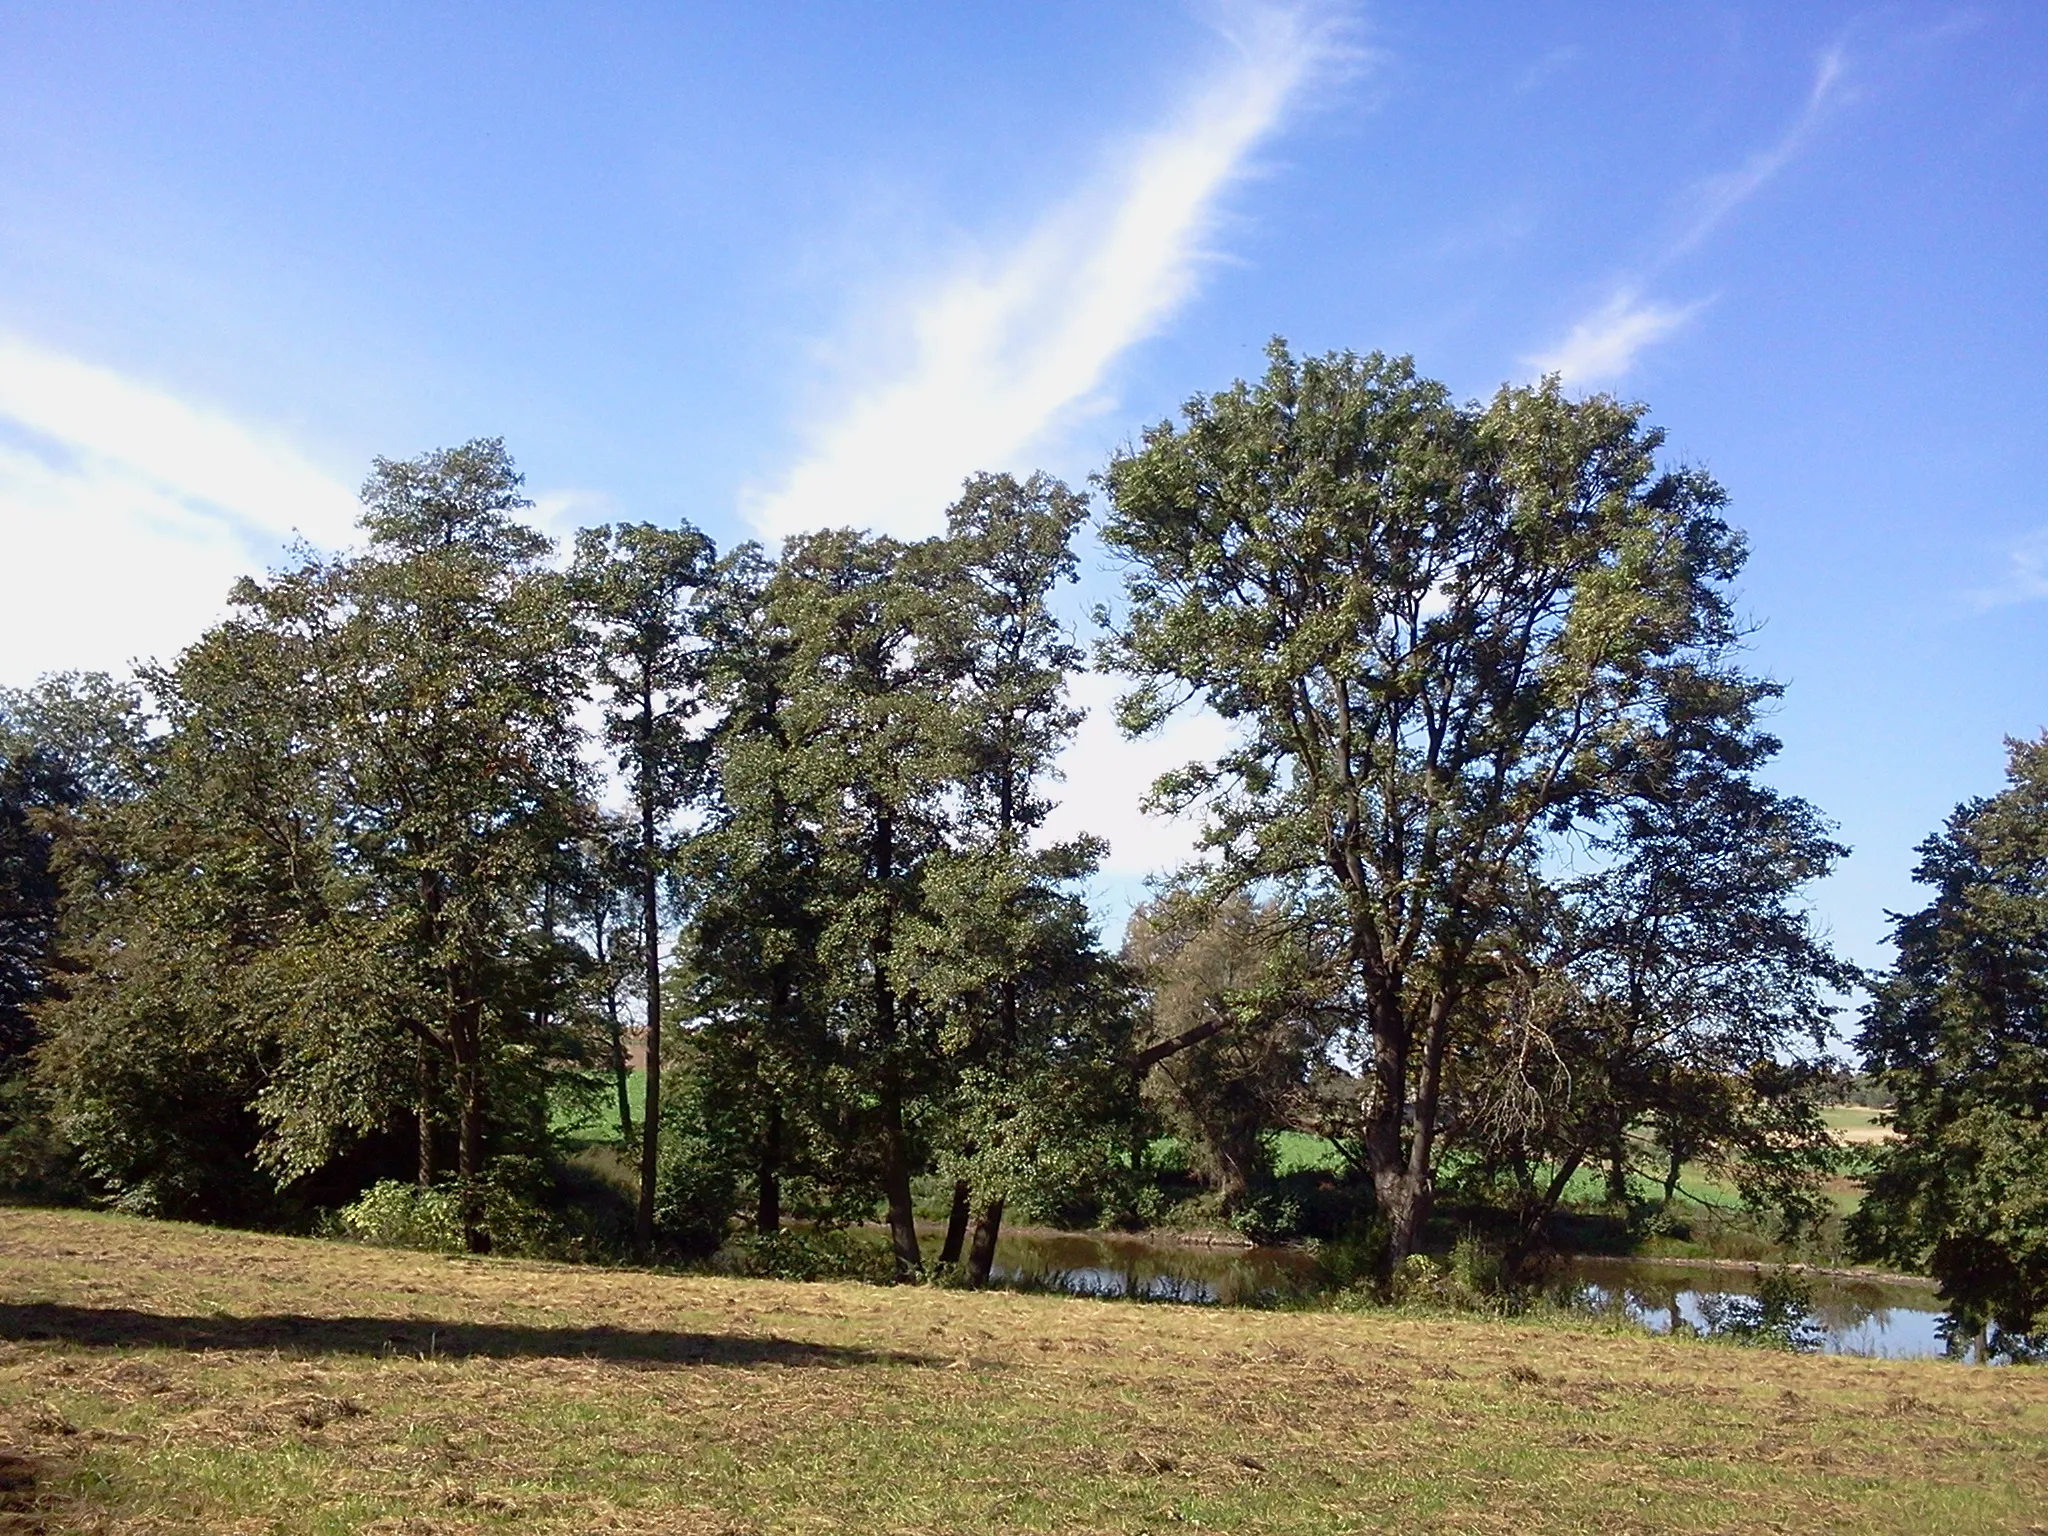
pixel 1491 891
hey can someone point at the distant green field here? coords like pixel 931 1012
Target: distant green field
pixel 593 1116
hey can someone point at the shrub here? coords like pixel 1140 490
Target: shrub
pixel 395 1214
pixel 1267 1216
pixel 793 1254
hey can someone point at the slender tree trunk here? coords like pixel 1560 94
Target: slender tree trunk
pixel 981 1258
pixel 1617 1172
pixel 469 1143
pixel 956 1224
pixel 895 1145
pixel 768 1179
pixel 650 938
pixel 423 1112
pixel 620 1080
pixel 1670 1180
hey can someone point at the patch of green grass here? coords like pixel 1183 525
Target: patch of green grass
pixel 590 1113
pixel 1296 1152
pixel 159 1377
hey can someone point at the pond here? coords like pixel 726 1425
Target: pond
pixel 1836 1314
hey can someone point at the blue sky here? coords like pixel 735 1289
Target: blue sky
pixel 778 266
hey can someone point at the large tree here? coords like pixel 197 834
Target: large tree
pixel 1958 1033
pixel 1009 546
pixel 1448 639
pixel 634 586
pixel 331 911
pixel 874 755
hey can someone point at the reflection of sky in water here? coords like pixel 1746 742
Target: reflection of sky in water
pixel 1854 1317
pixel 1846 1326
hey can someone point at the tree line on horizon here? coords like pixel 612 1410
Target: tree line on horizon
pixel 1491 889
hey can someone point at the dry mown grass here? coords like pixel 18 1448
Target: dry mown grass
pixel 166 1378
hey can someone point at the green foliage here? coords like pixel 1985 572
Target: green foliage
pixel 697 1188
pixel 1958 1033
pixel 1453 643
pixel 395 1214
pixel 791 1253
pixel 70 747
pixel 526 1206
pixel 1472 1277
pixel 1266 1216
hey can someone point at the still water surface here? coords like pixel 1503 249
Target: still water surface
pixel 1848 1315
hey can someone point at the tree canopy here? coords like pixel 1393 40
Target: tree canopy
pixel 1451 642
pixel 1958 1032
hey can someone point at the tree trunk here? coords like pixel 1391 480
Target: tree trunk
pixel 650 938
pixel 469 1150
pixel 981 1257
pixel 620 1079
pixel 1402 1165
pixel 895 1146
pixel 956 1224
pixel 423 1111
pixel 1670 1181
pixel 896 1181
pixel 1617 1172
pixel 768 1179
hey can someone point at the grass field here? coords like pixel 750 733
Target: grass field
pixel 166 1378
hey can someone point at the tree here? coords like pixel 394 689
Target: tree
pixel 1009 545
pixel 765 1040
pixel 1672 1003
pixel 1958 1032
pixel 332 908
pixel 633 586
pixel 71 740
pixel 71 747
pixel 1447 638
pixel 874 756
pixel 1231 982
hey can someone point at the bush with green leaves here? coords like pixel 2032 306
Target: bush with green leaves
pixel 515 1201
pixel 795 1253
pixel 394 1214
pixel 697 1184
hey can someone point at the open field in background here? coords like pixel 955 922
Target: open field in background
pixel 1699 1185
pixel 1855 1125
pixel 169 1378
pixel 596 1118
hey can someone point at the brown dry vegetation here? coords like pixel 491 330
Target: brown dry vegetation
pixel 166 1378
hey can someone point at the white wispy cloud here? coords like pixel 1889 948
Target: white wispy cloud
pixel 126 512
pixel 2025 578
pixel 1717 196
pixel 1604 345
pixel 1020 343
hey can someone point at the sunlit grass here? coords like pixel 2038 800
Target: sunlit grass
pixel 176 1378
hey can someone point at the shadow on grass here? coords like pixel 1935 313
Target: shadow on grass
pixel 123 1327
